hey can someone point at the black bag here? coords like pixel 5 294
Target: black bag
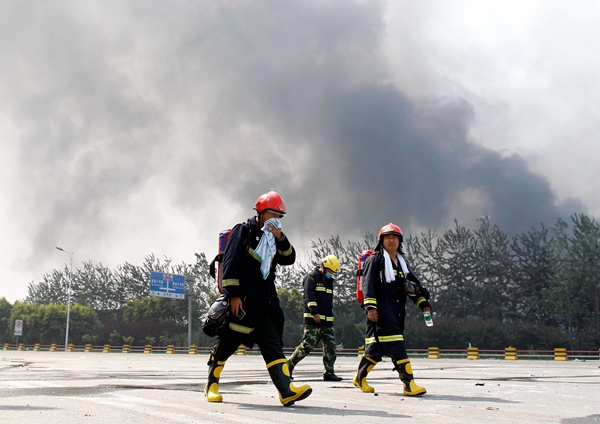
pixel 217 318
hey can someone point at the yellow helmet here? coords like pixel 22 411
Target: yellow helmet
pixel 331 262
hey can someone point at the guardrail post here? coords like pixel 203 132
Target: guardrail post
pixel 434 353
pixel 126 349
pixel 88 348
pixel 361 351
pixel 36 347
pixel 193 350
pixel 242 350
pixel 53 347
pixel 21 346
pixel 560 354
pixel 6 346
pixel 170 349
pixel 473 353
pixel 106 348
pixel 510 353
pixel 70 347
pixel 148 349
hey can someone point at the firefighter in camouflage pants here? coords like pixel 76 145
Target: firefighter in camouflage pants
pixel 318 317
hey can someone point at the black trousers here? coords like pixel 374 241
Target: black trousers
pixel 265 335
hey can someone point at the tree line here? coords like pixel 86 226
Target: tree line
pixel 538 289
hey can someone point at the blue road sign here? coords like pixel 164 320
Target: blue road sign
pixel 167 285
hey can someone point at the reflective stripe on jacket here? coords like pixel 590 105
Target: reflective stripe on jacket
pixel 318 298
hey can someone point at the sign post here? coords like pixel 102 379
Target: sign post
pixel 18 329
pixel 167 285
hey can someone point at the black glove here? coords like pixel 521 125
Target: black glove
pixel 425 304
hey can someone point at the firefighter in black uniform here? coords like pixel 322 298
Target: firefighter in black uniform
pixel 318 317
pixel 249 282
pixel 386 283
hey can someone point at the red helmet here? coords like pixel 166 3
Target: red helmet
pixel 390 229
pixel 270 201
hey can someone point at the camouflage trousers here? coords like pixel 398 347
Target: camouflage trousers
pixel 312 336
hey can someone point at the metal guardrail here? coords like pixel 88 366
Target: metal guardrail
pixel 482 354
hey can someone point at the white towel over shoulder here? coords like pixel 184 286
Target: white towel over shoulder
pixel 266 248
pixel 389 270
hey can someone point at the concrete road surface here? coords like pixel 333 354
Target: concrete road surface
pixel 72 387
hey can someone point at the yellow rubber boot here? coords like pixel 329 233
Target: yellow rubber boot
pixel 360 378
pixel 211 390
pixel 406 375
pixel 288 393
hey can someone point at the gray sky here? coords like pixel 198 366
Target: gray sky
pixel 129 128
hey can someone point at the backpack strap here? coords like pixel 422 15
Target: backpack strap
pixel 212 266
pixel 219 256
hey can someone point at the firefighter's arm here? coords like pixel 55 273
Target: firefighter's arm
pixel 310 296
pixel 286 254
pixel 233 259
pixel 368 284
pixel 421 298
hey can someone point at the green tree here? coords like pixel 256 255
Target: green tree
pixel 293 308
pixel 533 273
pixel 47 323
pixel 493 268
pixel 5 324
pixel 583 280
pixel 97 286
pixel 456 291
pixel 52 289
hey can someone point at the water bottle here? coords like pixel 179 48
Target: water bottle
pixel 428 318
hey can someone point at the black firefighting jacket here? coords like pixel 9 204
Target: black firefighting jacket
pixel 242 276
pixel 386 337
pixel 318 298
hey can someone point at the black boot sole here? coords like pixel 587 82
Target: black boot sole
pixel 303 396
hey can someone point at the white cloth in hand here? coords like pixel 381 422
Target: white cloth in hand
pixel 266 248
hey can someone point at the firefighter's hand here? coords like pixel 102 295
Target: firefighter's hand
pixel 275 231
pixel 235 303
pixel 373 315
pixel 317 318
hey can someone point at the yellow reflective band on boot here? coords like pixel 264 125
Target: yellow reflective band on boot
pixel 278 361
pixel 211 390
pixel 408 367
pixel 406 375
pixel 218 369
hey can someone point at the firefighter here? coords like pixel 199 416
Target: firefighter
pixel 253 251
pixel 318 317
pixel 386 283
